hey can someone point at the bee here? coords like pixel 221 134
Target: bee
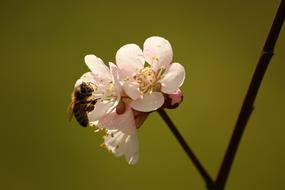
pixel 81 103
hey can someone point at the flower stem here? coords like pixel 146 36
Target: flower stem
pixel 248 104
pixel 186 148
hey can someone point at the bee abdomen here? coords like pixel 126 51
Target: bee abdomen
pixel 81 117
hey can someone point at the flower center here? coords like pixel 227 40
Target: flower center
pixel 104 90
pixel 146 79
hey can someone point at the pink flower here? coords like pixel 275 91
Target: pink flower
pixel 144 84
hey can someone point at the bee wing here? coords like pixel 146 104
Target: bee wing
pixel 70 110
pixel 70 107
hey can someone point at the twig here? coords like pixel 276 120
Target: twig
pixel 186 148
pixel 248 104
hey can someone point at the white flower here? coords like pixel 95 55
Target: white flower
pixel 145 85
pixel 120 135
pixel 105 84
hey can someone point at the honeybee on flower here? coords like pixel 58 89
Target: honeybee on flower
pixel 105 88
pixel 124 93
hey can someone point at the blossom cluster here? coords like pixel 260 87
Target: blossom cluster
pixel 140 82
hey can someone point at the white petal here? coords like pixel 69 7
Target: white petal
pixel 121 149
pixel 149 102
pixel 132 153
pixel 100 110
pixel 157 52
pixel 131 89
pixel 97 66
pixel 86 77
pixel 122 137
pixel 173 78
pixel 114 139
pixel 129 58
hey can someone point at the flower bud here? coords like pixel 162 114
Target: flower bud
pixel 173 100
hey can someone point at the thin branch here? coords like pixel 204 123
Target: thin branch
pixel 186 148
pixel 248 104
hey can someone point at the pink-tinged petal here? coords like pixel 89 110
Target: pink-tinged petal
pixel 124 122
pixel 108 121
pixel 131 88
pixel 100 110
pixel 157 52
pixel 129 58
pixel 97 66
pixel 173 78
pixel 149 102
pixel 115 73
pixel 132 153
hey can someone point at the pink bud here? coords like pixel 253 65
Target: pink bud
pixel 173 100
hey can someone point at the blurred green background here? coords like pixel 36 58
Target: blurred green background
pixel 43 44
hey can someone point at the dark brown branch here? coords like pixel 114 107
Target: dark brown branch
pixel 248 104
pixel 186 148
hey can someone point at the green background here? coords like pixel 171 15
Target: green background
pixel 43 44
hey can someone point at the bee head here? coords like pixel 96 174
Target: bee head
pixel 86 88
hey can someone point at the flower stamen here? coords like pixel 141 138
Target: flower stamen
pixel 146 79
pixel 103 92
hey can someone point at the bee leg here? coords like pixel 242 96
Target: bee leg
pixel 89 107
pixel 93 102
